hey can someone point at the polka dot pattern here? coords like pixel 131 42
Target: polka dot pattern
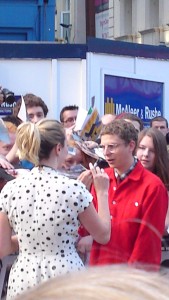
pixel 43 208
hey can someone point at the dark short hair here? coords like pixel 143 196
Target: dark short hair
pixel 65 108
pixel 158 119
pixel 31 100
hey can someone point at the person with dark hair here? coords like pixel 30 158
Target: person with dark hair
pixel 152 153
pixel 12 119
pixel 35 107
pixel 8 170
pixel 160 123
pixel 45 209
pixel 11 123
pixel 138 203
pixel 68 115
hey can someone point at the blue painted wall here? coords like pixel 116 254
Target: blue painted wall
pixel 27 20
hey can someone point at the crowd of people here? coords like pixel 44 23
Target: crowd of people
pixel 68 204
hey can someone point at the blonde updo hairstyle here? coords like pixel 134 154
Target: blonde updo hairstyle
pixel 36 141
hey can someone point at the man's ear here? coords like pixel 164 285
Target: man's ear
pixel 132 146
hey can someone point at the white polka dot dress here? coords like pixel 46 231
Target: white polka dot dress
pixel 43 208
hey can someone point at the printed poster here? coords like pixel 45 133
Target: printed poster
pixel 143 98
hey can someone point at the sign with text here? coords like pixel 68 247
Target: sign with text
pixel 102 24
pixel 143 98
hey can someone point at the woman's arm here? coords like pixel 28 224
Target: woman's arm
pixel 5 164
pixel 12 154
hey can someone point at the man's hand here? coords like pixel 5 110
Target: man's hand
pixel 100 179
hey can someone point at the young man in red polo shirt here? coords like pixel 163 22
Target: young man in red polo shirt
pixel 137 201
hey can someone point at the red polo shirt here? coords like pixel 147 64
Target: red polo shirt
pixel 138 208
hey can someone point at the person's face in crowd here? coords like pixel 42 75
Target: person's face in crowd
pixel 146 153
pixel 72 160
pixel 160 125
pixel 69 118
pixel 6 147
pixel 35 113
pixel 117 153
pixel 135 124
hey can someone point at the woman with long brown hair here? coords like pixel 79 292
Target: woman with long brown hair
pixel 152 153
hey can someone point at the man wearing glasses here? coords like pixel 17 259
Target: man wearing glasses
pixel 68 115
pixel 137 201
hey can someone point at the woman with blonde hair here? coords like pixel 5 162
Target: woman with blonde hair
pixel 45 209
pixel 117 282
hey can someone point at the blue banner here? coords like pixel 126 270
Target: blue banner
pixel 143 98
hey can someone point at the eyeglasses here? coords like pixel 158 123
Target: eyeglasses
pixel 111 147
pixel 70 120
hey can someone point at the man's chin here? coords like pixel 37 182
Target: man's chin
pixel 111 164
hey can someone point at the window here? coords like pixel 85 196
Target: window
pixel 67 5
pixel 152 14
pixel 65 27
pixel 126 17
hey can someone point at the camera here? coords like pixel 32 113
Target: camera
pixel 8 96
pixel 7 99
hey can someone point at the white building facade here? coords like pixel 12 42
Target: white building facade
pixel 138 21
